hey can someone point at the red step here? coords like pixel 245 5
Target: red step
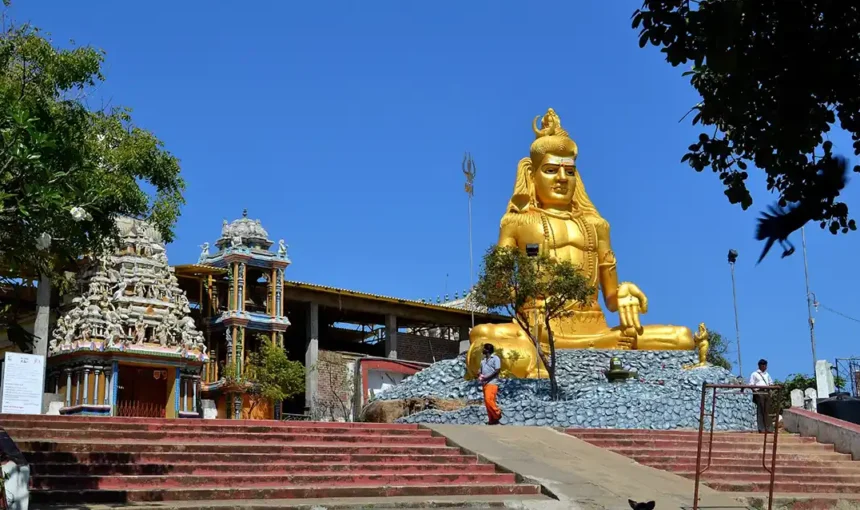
pixel 283 468
pixel 722 446
pixel 245 481
pixel 165 447
pixel 91 460
pixel 751 456
pixel 115 421
pixel 42 434
pixel 685 435
pixel 451 456
pixel 203 426
pixel 219 493
pixel 803 465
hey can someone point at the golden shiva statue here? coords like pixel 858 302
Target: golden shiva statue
pixel 551 208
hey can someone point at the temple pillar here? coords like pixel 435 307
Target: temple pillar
pixel 391 336
pixel 279 292
pixel 173 393
pixel 68 372
pixel 240 350
pixel 97 372
pixel 464 339
pixel 312 356
pixel 232 352
pixel 184 390
pixel 194 383
pixel 107 400
pixel 234 269
pixel 273 302
pixel 114 385
pixel 241 286
pixel 86 385
pixel 78 387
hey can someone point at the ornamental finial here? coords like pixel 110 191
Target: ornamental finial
pixel 550 125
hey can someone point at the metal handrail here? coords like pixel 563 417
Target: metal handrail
pixel 742 387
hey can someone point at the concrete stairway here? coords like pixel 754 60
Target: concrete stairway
pixel 124 460
pixel 803 465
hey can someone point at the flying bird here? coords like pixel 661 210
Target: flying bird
pixel 778 223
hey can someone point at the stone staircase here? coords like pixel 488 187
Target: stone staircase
pixel 132 460
pixel 803 465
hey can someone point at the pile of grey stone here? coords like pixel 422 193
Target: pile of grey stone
pixel 664 395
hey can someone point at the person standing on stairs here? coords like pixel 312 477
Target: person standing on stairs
pixel 491 365
pixel 762 398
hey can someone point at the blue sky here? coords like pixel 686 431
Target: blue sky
pixel 342 126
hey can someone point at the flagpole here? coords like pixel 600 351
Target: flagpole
pixel 471 263
pixel 469 170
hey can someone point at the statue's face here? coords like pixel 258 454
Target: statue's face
pixel 555 181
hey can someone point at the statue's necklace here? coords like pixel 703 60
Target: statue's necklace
pixel 585 227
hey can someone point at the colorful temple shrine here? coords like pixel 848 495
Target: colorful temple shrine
pixel 240 298
pixel 128 345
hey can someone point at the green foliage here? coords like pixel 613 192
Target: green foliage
pixel 511 280
pixel 801 382
pixel 274 376
pixel 718 349
pixel 57 156
pixel 66 172
pixel 774 77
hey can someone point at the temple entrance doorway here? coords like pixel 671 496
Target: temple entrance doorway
pixel 142 392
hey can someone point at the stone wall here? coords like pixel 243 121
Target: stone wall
pixel 335 386
pixel 425 348
pixel 664 395
pixel 843 435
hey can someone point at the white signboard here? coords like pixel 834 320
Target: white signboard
pixel 23 383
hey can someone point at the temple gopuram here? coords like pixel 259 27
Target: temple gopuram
pixel 239 296
pixel 128 345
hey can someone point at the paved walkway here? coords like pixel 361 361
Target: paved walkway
pixel 580 475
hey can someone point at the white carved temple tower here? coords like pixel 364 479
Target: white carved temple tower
pixel 129 345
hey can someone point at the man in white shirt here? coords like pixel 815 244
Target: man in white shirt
pixel 762 398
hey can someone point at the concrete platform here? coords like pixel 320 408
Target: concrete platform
pixel 578 474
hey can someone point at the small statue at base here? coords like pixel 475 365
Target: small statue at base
pixel 703 343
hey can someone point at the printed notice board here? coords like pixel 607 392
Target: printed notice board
pixel 23 384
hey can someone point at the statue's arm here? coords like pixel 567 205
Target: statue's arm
pixel 608 276
pixel 508 233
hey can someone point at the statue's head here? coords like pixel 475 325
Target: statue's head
pixel 549 176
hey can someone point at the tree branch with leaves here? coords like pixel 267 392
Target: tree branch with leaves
pixel 536 292
pixel 774 77
pixel 66 171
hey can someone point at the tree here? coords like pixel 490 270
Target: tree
pixel 717 349
pixel 774 76
pixel 510 280
pixel 272 375
pixel 66 171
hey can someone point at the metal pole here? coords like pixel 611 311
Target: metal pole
pixel 471 263
pixel 737 323
pixel 808 300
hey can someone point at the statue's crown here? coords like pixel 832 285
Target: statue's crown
pixel 550 125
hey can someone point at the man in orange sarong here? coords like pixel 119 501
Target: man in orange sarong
pixel 491 365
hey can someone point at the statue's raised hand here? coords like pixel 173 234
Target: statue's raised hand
pixel 631 302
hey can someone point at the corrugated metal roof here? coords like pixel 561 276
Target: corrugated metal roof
pixel 455 306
